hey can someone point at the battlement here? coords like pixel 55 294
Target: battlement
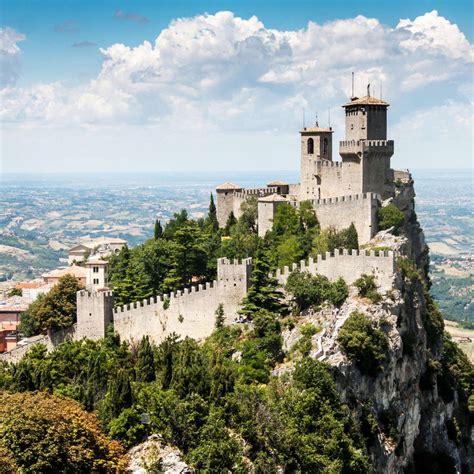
pixel 356 146
pixel 235 261
pixel 348 198
pixel 349 265
pixel 256 192
pixel 95 294
pixel 167 297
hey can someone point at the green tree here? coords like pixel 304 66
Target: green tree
pixel 212 215
pixel 54 310
pixel 158 231
pixel 231 222
pixel 308 290
pixel 363 343
pixel 391 216
pixel 220 318
pixel 120 393
pixel 351 238
pixel 217 451
pixel 264 292
pixel 145 366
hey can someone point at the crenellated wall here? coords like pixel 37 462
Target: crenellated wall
pixel 190 312
pixel 347 265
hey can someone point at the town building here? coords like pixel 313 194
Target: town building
pixel 102 246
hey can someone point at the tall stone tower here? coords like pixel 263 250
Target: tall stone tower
pixel 366 152
pixel 316 147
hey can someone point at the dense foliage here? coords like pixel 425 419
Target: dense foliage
pixel 312 290
pixel 391 216
pixel 221 411
pixel 363 343
pixel 53 310
pixel 43 433
pixel 186 250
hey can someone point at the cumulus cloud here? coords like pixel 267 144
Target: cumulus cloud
pixel 224 72
pixel 130 16
pixel 9 54
pixel 434 34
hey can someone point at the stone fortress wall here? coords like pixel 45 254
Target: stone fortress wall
pixel 349 265
pixel 191 312
pixel 341 212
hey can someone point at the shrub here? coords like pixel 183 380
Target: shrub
pixel 391 216
pixel 367 287
pixel 408 269
pixel 308 290
pixel 44 433
pixel 362 343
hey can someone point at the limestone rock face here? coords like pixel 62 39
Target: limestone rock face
pixel 401 393
pixel 154 455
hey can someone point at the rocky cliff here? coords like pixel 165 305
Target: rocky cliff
pixel 409 412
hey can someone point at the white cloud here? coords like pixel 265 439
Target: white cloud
pixel 9 52
pixel 434 34
pixel 222 72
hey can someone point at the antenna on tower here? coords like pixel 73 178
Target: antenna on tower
pixel 368 89
pixel 304 124
pixel 317 124
pixel 352 85
pixel 329 118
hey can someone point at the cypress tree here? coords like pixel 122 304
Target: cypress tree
pixel 220 318
pixel 212 218
pixel 145 368
pixel 263 292
pixel 120 393
pixel 231 221
pixel 158 230
pixel 352 239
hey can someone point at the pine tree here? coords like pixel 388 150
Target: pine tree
pixel 145 368
pixel 263 292
pixel 231 221
pixel 158 230
pixel 220 318
pixel 212 217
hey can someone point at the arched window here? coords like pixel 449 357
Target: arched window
pixel 310 146
pixel 325 146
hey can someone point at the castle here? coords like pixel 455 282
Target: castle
pixel 341 192
pixel 345 192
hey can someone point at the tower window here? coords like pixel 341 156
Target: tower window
pixel 310 146
pixel 325 146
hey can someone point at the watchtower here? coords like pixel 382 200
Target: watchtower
pixel 366 152
pixel 316 147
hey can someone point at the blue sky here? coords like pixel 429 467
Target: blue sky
pixel 87 85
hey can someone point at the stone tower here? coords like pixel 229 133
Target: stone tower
pixel 94 313
pixel 225 201
pixel 316 147
pixel 366 152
